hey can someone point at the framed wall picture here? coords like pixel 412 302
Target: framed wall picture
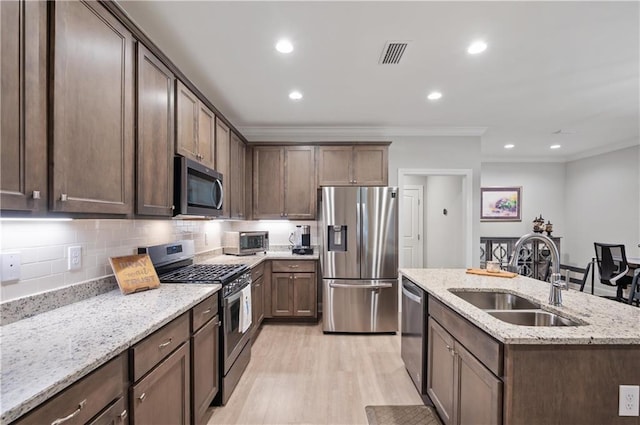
pixel 500 203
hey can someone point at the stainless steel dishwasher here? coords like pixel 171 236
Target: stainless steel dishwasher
pixel 414 334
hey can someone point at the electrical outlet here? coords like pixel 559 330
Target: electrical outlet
pixel 629 400
pixel 75 258
pixel 10 266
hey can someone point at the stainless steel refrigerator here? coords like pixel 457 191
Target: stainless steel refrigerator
pixel 359 259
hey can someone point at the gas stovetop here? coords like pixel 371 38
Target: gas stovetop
pixel 205 273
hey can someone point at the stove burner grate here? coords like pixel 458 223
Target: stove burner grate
pixel 205 273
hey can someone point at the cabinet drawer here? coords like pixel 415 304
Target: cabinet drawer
pixel 257 271
pixel 280 266
pixel 84 399
pixel 204 312
pixel 482 346
pixel 147 353
pixel 116 414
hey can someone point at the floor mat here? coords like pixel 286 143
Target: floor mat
pixel 402 415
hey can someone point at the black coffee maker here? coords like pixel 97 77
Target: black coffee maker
pixel 301 240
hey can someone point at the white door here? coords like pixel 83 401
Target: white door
pixel 412 218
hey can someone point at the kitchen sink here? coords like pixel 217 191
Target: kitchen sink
pixel 496 300
pixel 532 318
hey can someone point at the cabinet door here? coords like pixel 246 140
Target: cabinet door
pixel 268 178
pixel 440 370
pixel 236 183
pixel 300 183
pixel 304 294
pixel 334 165
pixel 92 103
pixel 155 136
pixel 206 136
pixel 282 294
pixel 223 141
pixel 204 370
pixel 23 124
pixel 478 392
pixel 259 302
pixel 162 397
pixel 370 165
pixel 187 106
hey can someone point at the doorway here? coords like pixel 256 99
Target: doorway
pixel 444 224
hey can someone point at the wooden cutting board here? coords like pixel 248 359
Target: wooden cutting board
pixel 483 272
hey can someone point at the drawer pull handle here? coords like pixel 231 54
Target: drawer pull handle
pixel 294 266
pixel 164 344
pixel 72 415
pixel 207 311
pixel 123 415
pixel 142 397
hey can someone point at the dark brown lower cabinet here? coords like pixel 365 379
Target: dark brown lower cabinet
pixel 116 414
pixel 462 389
pixel 293 294
pixel 257 302
pixel 162 396
pixel 95 395
pixel 205 373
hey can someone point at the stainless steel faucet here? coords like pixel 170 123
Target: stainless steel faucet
pixel 557 285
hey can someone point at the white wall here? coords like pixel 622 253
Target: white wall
pixel 443 233
pixel 441 153
pixel 543 192
pixel 603 203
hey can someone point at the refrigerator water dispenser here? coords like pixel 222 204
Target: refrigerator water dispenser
pixel 337 238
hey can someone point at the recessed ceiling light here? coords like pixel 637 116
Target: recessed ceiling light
pixel 295 95
pixel 509 146
pixel 477 47
pixel 554 147
pixel 434 95
pixel 284 46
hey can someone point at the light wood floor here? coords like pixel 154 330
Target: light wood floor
pixel 298 375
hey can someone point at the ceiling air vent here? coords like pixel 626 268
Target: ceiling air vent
pixel 392 52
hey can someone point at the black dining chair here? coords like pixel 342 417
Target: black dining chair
pixel 575 275
pixel 634 293
pixel 613 267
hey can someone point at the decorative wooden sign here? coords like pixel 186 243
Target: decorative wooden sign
pixel 134 273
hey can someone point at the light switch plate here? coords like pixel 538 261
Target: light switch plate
pixel 629 400
pixel 10 266
pixel 75 258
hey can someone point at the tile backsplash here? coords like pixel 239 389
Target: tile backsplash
pixel 43 245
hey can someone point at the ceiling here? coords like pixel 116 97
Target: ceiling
pixel 550 66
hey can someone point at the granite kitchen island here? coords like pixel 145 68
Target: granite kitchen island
pixel 481 369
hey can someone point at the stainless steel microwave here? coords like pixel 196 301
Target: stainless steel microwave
pixel 245 243
pixel 197 189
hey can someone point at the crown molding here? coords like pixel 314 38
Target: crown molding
pixel 350 133
pixel 604 149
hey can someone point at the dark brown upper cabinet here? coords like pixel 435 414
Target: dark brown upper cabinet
pixel 92 110
pixel 155 136
pixel 195 127
pixel 23 125
pixel 359 165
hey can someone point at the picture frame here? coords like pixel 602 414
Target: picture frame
pixel 500 203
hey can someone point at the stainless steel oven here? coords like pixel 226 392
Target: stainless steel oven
pixel 174 264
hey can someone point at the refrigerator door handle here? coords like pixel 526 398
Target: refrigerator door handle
pixel 346 285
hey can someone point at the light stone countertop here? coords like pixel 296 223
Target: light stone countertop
pixel 606 321
pixel 254 260
pixel 46 353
